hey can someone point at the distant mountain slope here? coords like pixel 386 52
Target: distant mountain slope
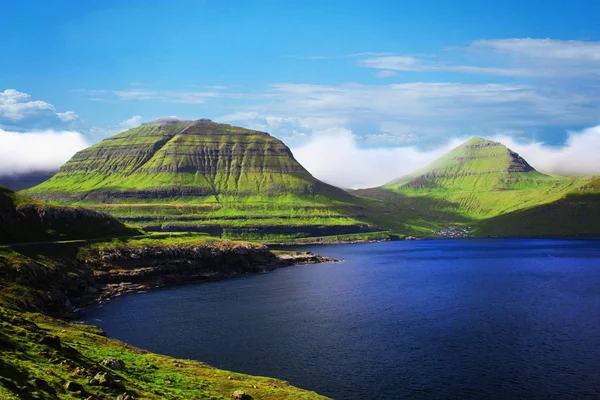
pixel 25 220
pixel 203 176
pixel 482 179
pixel 483 188
pixel 575 214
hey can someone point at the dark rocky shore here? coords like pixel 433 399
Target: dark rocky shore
pixel 98 274
pixel 143 269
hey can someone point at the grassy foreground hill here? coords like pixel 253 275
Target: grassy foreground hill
pixel 174 175
pixel 483 188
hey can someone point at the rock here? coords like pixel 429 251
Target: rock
pixel 104 379
pixel 240 395
pixel 39 384
pixel 113 363
pixel 73 387
pixel 125 396
pixel 51 341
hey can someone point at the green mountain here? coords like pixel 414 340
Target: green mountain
pixel 174 175
pixel 25 220
pixel 478 181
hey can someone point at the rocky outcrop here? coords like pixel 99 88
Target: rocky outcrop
pixel 65 283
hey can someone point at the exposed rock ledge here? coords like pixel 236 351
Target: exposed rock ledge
pixel 62 284
pixel 143 269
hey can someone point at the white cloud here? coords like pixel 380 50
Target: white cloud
pixel 67 116
pixel 444 108
pixel 98 133
pixel 132 122
pixel 336 157
pixel 548 49
pixel 17 107
pixel 531 58
pixel 385 74
pixel 578 156
pixel 37 151
pixel 166 96
pixel 291 130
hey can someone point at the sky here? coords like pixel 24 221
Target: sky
pixel 362 91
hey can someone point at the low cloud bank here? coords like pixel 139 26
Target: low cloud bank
pixel 336 157
pixel 579 156
pixel 22 153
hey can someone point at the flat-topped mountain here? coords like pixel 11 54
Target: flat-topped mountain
pixel 176 175
pixel 182 159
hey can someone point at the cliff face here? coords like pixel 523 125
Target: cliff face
pixel 25 220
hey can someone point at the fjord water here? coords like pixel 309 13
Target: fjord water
pixel 454 319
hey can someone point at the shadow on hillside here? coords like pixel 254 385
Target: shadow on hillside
pixel 393 210
pixel 573 215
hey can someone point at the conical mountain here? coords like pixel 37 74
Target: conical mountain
pixel 175 175
pixel 476 180
pixel 476 164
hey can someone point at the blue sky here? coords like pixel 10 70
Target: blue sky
pixel 366 74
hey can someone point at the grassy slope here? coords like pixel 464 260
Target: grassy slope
pixel 203 175
pixel 576 213
pixel 37 276
pixel 478 181
pixel 23 219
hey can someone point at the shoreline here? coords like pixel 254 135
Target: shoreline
pixel 113 290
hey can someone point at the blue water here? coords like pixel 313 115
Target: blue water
pixel 462 319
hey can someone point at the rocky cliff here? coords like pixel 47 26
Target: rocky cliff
pixel 63 276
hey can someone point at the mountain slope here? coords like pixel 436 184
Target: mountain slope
pixel 24 220
pixel 481 179
pixel 576 213
pixel 480 188
pixel 203 176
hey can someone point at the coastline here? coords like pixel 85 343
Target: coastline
pixel 42 286
pixel 287 259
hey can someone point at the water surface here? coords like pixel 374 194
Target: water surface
pixel 440 319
